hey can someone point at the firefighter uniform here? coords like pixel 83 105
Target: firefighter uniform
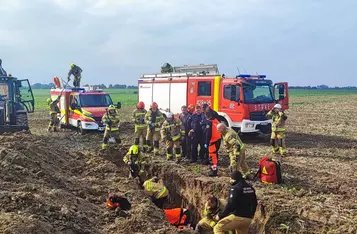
pixel 184 117
pixel 112 121
pixel 156 191
pixel 207 223
pixel 54 110
pixel 154 121
pixel 140 127
pixel 76 71
pixel 236 150
pixel 240 209
pixel 171 133
pixel 213 139
pixel 278 136
pixel 135 161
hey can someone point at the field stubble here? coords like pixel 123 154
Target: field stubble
pixel 57 182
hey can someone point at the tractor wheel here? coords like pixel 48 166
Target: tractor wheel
pixel 21 120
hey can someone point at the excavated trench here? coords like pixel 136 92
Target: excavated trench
pixel 189 190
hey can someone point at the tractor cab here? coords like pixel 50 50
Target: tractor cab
pixel 16 100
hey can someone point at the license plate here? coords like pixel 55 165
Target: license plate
pixel 264 124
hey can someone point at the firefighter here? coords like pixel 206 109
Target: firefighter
pixel 195 134
pixel 213 207
pixel 2 70
pixel 140 125
pixel 240 209
pixel 156 191
pixel 278 136
pixel 112 122
pixel 184 116
pixel 178 217
pixel 76 71
pixel 154 119
pixel 213 142
pixel 54 110
pixel 135 161
pixel 235 148
pixel 171 133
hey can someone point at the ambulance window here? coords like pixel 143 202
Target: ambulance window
pixel 204 88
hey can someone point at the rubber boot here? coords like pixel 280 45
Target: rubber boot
pixel 213 173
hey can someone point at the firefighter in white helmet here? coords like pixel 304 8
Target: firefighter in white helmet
pixel 112 122
pixel 171 133
pixel 278 136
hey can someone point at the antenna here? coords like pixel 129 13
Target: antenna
pixel 238 71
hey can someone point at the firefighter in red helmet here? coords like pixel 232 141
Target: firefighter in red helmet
pixel 140 125
pixel 154 119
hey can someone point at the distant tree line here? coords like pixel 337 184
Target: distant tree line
pixel 323 87
pixel 101 86
pixel 42 86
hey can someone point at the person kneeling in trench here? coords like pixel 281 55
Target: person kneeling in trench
pixel 156 191
pixel 240 209
pixel 213 207
pixel 135 161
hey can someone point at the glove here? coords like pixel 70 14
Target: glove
pixel 129 163
pixel 205 145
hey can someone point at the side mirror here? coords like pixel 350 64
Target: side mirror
pixel 118 105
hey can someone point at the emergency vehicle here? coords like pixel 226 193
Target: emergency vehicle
pixel 241 102
pixel 82 108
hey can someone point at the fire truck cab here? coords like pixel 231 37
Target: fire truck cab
pixel 82 108
pixel 241 102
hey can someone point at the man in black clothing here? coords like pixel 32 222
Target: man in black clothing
pixel 184 117
pixel 195 134
pixel 240 208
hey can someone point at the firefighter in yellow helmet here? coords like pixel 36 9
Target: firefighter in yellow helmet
pixel 154 119
pixel 235 148
pixel 156 191
pixel 54 110
pixel 76 71
pixel 171 133
pixel 135 161
pixel 140 125
pixel 112 122
pixel 278 136
pixel 213 207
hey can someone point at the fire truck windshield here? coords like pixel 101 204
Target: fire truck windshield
pixel 95 100
pixel 258 93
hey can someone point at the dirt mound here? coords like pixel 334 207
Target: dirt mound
pixel 47 186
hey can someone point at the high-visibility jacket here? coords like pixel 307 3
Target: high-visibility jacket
pixel 278 124
pixel 139 118
pixel 212 133
pixel 177 217
pixel 171 129
pixel 53 106
pixel 232 141
pixel 155 190
pixel 112 121
pixel 155 118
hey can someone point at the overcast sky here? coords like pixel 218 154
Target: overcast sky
pixel 304 42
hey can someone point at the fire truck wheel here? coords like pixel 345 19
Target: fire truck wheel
pixel 80 129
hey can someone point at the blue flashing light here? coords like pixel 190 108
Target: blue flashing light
pixel 249 76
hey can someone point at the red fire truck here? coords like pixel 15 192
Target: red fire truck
pixel 241 102
pixel 82 108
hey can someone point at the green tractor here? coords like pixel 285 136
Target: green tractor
pixel 16 100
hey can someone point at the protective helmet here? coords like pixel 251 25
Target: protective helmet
pixel 140 105
pixel 72 65
pixel 191 107
pixel 154 105
pixel 134 149
pixel 49 100
pixel 112 107
pixel 169 115
pixel 278 106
